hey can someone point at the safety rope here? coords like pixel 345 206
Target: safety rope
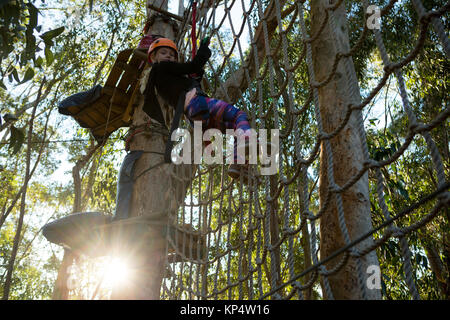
pixel 194 28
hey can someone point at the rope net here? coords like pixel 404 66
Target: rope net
pixel 262 240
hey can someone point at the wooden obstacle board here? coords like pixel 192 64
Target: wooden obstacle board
pixel 113 109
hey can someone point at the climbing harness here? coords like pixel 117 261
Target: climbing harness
pixel 146 127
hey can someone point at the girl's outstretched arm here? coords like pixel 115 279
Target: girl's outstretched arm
pixel 194 66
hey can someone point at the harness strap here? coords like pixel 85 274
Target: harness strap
pixel 174 126
pixel 194 31
pixel 151 103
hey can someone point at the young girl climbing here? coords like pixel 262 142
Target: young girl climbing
pixel 174 82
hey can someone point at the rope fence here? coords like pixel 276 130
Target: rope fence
pixel 260 240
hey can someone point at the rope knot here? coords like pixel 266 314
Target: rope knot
pixel 355 253
pixel 334 188
pixel 413 127
pixel 370 163
pixel 388 68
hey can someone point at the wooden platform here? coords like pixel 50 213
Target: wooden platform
pixel 95 234
pixel 113 109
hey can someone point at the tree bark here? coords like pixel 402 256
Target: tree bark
pixel 77 181
pixel 61 290
pixel 438 269
pixel 346 149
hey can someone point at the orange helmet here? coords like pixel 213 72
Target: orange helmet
pixel 161 42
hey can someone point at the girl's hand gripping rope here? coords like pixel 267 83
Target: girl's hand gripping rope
pixel 203 54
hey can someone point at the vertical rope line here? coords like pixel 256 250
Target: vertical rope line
pixel 437 25
pixel 407 267
pixel 250 244
pixel 229 246
pixel 241 242
pixel 259 261
pixel 290 109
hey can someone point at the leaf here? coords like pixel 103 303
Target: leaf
pixel 403 192
pixel 16 140
pixel 48 56
pixel 30 48
pixel 39 61
pixel 23 58
pixel 15 74
pixel 29 74
pixel 424 262
pixel 383 288
pixel 49 35
pixel 2 85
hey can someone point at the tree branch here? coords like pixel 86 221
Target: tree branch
pixel 11 263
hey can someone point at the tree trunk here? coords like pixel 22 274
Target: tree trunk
pixel 157 192
pixel 347 152
pixel 17 237
pixel 61 290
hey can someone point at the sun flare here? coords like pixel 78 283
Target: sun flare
pixel 116 272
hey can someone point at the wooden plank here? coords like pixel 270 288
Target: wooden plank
pixel 95 108
pixel 125 81
pixel 140 54
pixel 129 78
pixel 110 123
pixel 97 113
pixel 128 67
pixel 131 104
pixel 164 12
pixel 118 95
pixel 116 71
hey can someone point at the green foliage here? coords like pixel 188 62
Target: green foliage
pixel 16 140
pixel 68 51
pixel 18 43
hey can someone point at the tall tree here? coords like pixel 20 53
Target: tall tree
pixel 348 213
